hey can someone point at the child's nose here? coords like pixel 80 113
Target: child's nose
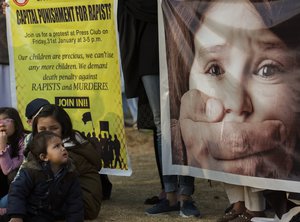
pixel 237 102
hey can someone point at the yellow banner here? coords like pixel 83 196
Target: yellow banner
pixel 67 52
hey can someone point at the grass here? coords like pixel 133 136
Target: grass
pixel 129 193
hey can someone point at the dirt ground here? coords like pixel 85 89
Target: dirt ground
pixel 128 194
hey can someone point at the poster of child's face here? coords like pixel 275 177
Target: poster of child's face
pixel 239 109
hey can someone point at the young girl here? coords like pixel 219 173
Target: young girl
pixel 46 187
pixel 11 150
pixel 86 159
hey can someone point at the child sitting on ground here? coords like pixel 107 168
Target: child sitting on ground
pixel 12 134
pixel 46 187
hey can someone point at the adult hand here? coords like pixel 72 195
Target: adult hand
pixel 253 149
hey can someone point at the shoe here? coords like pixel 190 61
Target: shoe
pixel 230 215
pixel 162 207
pixel 246 217
pixel 152 200
pixel 229 208
pixel 188 209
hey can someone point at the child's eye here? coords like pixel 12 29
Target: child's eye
pixel 215 70
pixel 58 146
pixel 269 70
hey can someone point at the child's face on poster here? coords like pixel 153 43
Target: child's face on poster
pixel 250 71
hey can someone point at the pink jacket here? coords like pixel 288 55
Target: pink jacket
pixel 8 164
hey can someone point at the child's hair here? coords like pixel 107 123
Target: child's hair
pixel 19 128
pixel 61 116
pixel 34 106
pixel 40 142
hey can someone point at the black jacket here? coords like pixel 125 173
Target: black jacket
pixel 3 40
pixel 140 9
pixel 37 192
pixel 88 163
pixel 138 36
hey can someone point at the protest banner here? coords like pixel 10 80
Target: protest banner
pixel 67 52
pixel 230 91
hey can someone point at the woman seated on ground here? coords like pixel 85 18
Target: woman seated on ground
pixel 86 159
pixel 12 134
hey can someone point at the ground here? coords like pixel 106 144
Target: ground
pixel 128 194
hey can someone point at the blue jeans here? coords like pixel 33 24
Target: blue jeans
pixel 129 109
pixel 184 185
pixel 132 105
pixel 3 202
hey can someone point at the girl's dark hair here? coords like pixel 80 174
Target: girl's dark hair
pixel 19 129
pixel 182 19
pixel 61 116
pixel 39 143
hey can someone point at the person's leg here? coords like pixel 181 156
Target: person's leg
pixel 235 194
pixel 254 200
pixel 278 201
pixel 5 92
pixel 186 187
pixel 170 203
pixel 132 105
pixel 254 205
pixel 157 158
pixel 3 202
pixel 162 195
pixel 126 111
pixel 130 110
pixel 171 187
pixel 170 182
pixel 3 205
pixel 186 190
pixel 151 85
pixel 236 198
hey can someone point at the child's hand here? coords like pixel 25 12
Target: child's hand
pixel 2 127
pixel 16 220
pixel 4 5
pixel 3 140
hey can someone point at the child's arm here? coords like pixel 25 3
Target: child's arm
pixel 7 163
pixel 19 192
pixel 3 140
pixel 74 203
